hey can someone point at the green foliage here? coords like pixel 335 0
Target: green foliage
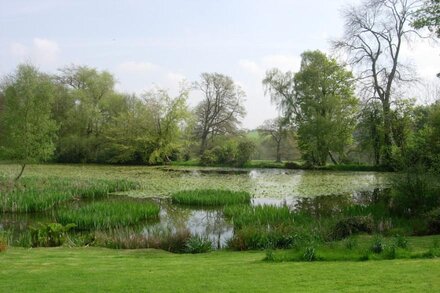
pixel 310 254
pixel 198 244
pixel 267 215
pixel 433 219
pixel 324 108
pixel 415 192
pixel 400 241
pixel 233 152
pixel 35 194
pixel 259 237
pixel 28 130
pixel 210 197
pixel 108 214
pixel 428 16
pixel 377 245
pixel 352 225
pixel 49 235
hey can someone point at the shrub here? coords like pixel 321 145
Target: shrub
pixel 377 246
pixel 415 193
pixel 198 244
pixel 49 235
pixel 208 158
pixel 210 197
pixel 400 241
pixel 433 219
pixel 352 225
pixel 292 165
pixel 245 150
pixel 252 237
pixel 309 254
pixel 351 243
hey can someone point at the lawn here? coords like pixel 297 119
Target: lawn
pixel 104 270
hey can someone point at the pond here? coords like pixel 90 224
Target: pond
pixel 315 192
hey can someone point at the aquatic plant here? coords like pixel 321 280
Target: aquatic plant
pixel 108 214
pixel 210 197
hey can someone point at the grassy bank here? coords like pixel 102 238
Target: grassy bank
pixel 103 270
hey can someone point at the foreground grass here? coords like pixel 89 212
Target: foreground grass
pixel 103 270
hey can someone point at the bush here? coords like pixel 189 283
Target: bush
pixel 400 241
pixel 249 238
pixel 415 193
pixel 352 225
pixel 245 150
pixel 292 165
pixel 433 220
pixel 49 235
pixel 208 158
pixel 198 244
pixel 377 246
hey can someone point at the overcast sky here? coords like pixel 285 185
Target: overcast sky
pixel 161 42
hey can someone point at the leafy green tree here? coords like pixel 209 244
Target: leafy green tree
pixel 429 16
pixel 90 101
pixel 168 120
pixel 28 130
pixel 326 107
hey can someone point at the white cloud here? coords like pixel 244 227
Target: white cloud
pixel 45 51
pixel 41 52
pixel 137 67
pixel 251 67
pixel 175 77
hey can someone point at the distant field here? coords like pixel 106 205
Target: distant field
pixel 104 270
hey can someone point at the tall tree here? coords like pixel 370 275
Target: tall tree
pixel 375 32
pixel 222 108
pixel 90 95
pixel 28 130
pixel 326 105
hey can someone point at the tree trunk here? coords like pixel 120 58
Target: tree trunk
pixel 278 152
pixel 332 158
pixel 203 144
pixel 387 134
pixel 21 172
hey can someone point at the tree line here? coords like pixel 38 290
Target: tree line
pixel 331 111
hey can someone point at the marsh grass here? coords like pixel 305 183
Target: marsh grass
pixel 258 215
pixel 210 197
pixel 33 194
pixel 108 214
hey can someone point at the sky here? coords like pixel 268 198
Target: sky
pixel 162 42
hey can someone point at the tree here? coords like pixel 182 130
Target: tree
pixel 277 130
pixel 168 118
pixel 281 88
pixel 325 107
pixel 221 109
pixel 90 96
pixel 28 130
pixel 375 32
pixel 428 16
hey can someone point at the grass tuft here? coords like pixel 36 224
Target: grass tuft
pixel 210 197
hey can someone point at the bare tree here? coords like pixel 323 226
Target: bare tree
pixel 276 128
pixel 221 109
pixel 375 32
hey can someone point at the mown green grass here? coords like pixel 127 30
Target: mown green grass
pixel 103 270
pixel 108 214
pixel 210 197
pixel 36 194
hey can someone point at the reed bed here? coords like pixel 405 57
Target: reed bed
pixel 210 197
pixel 33 194
pixel 108 214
